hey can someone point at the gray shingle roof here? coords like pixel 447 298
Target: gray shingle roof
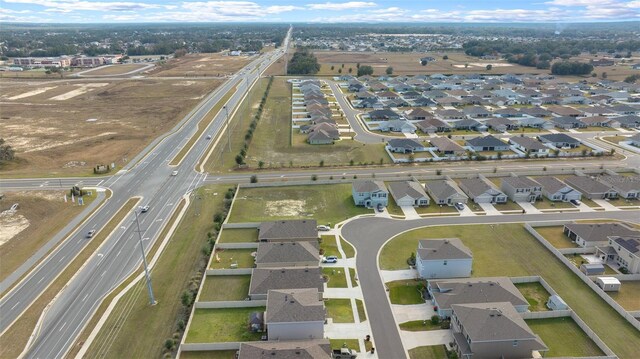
pixel 558 137
pixel 586 184
pixel 485 141
pixel 288 230
pixel 294 305
pixel 475 187
pixel 368 186
pixel 445 144
pixel 407 143
pixel 520 182
pixel 445 248
pixel 624 183
pixel 440 189
pixel 551 184
pixel 295 349
pixel 476 290
pixel 598 232
pixel 287 252
pixel 406 188
pixel 266 279
pixel 528 143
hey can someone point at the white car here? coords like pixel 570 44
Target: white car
pixel 144 209
pixel 459 206
pixel 91 233
pixel 324 228
pixel 330 259
pixel 174 173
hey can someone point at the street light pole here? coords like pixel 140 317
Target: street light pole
pixel 144 261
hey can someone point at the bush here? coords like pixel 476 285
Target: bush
pixel 314 177
pixel 435 319
pixel 253 179
pixel 169 344
pixel 571 68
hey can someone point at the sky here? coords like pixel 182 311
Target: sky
pixel 291 11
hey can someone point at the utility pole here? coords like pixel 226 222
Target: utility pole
pixel 226 110
pixel 144 262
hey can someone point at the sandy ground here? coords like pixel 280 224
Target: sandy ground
pixel 287 208
pixel 32 93
pixel 11 223
pixel 484 64
pixel 84 88
pixel 192 65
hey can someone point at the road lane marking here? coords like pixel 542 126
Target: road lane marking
pixel 15 305
pixel 63 325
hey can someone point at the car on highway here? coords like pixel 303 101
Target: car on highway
pixel 330 259
pixel 459 206
pixel 324 228
pixel 575 202
pixel 208 137
pixel 144 209
pixel 91 233
pixel 174 173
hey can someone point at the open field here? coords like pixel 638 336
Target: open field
pixel 89 123
pixel 339 310
pixel 238 235
pixel 225 287
pixel 628 296
pixel 121 335
pixel 515 247
pixel 222 325
pixel 405 291
pixel 325 203
pixel 409 63
pixel 564 338
pixel 114 70
pixel 430 352
pixel 535 294
pixel 40 215
pixel 201 65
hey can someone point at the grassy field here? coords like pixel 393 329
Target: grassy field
pixel 616 139
pixel 222 325
pixel 44 212
pixel 225 258
pixel 564 338
pixel 114 70
pixel 336 277
pixel 14 339
pixel 98 122
pixel 515 247
pixel 329 247
pixel 201 65
pixel 535 294
pixel 339 310
pixel 218 354
pixel 555 236
pixel 628 296
pixel 347 248
pixel 509 206
pixel 238 235
pixel 419 326
pixel 405 291
pixel 430 352
pixel 325 203
pixel 121 336
pixel 225 287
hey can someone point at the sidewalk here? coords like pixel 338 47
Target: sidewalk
pixel 391 275
pixel 606 205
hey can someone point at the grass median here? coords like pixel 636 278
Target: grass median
pixel 15 338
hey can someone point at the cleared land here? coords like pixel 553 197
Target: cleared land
pixel 515 247
pixel 325 203
pixel 628 296
pixel 201 65
pixel 555 236
pixel 109 121
pixel 222 325
pixel 114 70
pixel 564 338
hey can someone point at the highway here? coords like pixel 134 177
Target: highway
pixel 119 256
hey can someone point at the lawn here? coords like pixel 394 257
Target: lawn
pixel 419 326
pixel 508 206
pixel 405 291
pixel 230 258
pixel 628 296
pixel 544 203
pixel 616 139
pixel 515 248
pixel 238 235
pixel 535 294
pixel 325 203
pixel 564 338
pixel 352 273
pixel 328 246
pixel 434 208
pixel 347 248
pixel 222 325
pixel 555 236
pixel 430 352
pixel 361 312
pixel 339 310
pixel 218 354
pixel 341 343
pixel 225 287
pixel 335 277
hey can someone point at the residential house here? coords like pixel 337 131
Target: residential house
pixel 476 112
pixel 288 231
pixel 265 279
pixel 565 111
pixel 443 258
pixel 369 193
pixel 520 189
pixel 635 140
pixel 529 145
pixel 401 125
pixel 405 145
pixel 287 254
pixel 408 193
pixel 323 134
pixel 591 188
pixel 469 124
pixel 627 186
pixel 450 114
pixel 501 124
pixel 535 111
pixel 487 143
pixel 281 349
pixel 556 190
pixel 600 121
pixel 624 251
pixel 567 122
pixel 418 114
pixel 595 234
pixel 383 115
pixel 388 95
pixel 535 122
pixel 629 121
pixel 560 140
pixel 447 147
pixel 492 330
pixel 481 192
pixel 447 292
pixel 432 125
pixel 507 112
pixel 443 193
pixel 295 314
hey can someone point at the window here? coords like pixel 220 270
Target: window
pixel 515 343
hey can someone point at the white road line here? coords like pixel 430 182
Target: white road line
pixel 63 325
pixel 61 259
pixel 15 305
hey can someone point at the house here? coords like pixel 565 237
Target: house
pixel 507 112
pixel 556 190
pixel 418 114
pixel 387 95
pixel 265 279
pixel 521 189
pixel 564 111
pixel 323 134
pixel 401 125
pixel 447 146
pixel 487 143
pixel 480 192
pixel 470 125
pixel 600 121
pixel 443 193
pixel 408 193
pixel 624 251
pixel 627 186
pixel 529 145
pixel 450 114
pixel 307 349
pixel 556 303
pixel 492 330
pixel 476 112
pixel 432 125
pixel 369 193
pixel 635 140
pixel 608 284
pixel 383 115
pixel 590 188
pixel 447 292
pixel 535 111
pixel 288 231
pixel 287 254
pixel 443 258
pixel 535 122
pixel 592 269
pixel 295 314
pixel 628 121
pixel 595 234
pixel 560 140
pixel 405 145
pixel 501 124
pixel 567 122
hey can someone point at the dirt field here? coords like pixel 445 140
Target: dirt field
pixel 409 63
pixel 74 125
pixel 114 70
pixel 214 65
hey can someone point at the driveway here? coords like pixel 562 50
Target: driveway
pixel 489 209
pixel 528 207
pixel 606 205
pixel 409 212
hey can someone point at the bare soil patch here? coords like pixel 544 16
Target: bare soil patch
pixel 201 65
pixel 114 69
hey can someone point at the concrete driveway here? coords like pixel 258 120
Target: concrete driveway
pixel 489 209
pixel 409 212
pixel 529 208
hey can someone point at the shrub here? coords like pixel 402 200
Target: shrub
pixel 253 179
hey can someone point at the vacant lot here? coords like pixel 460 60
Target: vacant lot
pixel 409 63
pixel 339 310
pixel 507 250
pixel 201 65
pixel 564 338
pixel 114 70
pixel 628 296
pixel 325 203
pixel 72 126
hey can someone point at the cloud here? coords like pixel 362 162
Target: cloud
pixel 342 6
pixel 79 5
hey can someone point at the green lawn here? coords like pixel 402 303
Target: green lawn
pixel 564 338
pixel 239 235
pixel 589 202
pixel 535 294
pixel 419 326
pixel 616 139
pixel 555 236
pixel 361 312
pixel 341 343
pixel 434 208
pixel 336 277
pixel 222 325
pixel 622 202
pixel 339 310
pixel 347 248
pixel 521 255
pixel 544 203
pixel 218 354
pixel 430 352
pixel 325 203
pixel 352 273
pixel 225 287
pixel 628 296
pixel 509 206
pixel 227 258
pixel 393 208
pixel 405 291
pixel 328 246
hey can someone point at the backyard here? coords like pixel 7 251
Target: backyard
pixel 564 338
pixel 535 294
pixel 555 236
pixel 222 325
pixel 628 296
pixel 225 288
pixel 405 291
pixel 238 235
pixel 232 258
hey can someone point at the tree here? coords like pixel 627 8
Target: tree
pixel 239 159
pixel 253 179
pixel 466 65
pixel 489 67
pixel 571 68
pixel 314 177
pixel 424 62
pixel 303 62
pixel 543 65
pixel 604 75
pixel 339 71
pixel 179 53
pixel 260 164
pixel 332 67
pixel 350 70
pixel 445 57
pixel 358 65
pixel 321 163
pixel 632 79
pixel 389 70
pixel 365 70
pixel 6 152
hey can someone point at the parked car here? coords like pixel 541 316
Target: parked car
pixel 91 233
pixel 380 207
pixel 575 202
pixel 324 228
pixel 459 206
pixel 144 209
pixel 330 259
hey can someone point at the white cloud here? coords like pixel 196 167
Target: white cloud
pixel 342 6
pixel 79 5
